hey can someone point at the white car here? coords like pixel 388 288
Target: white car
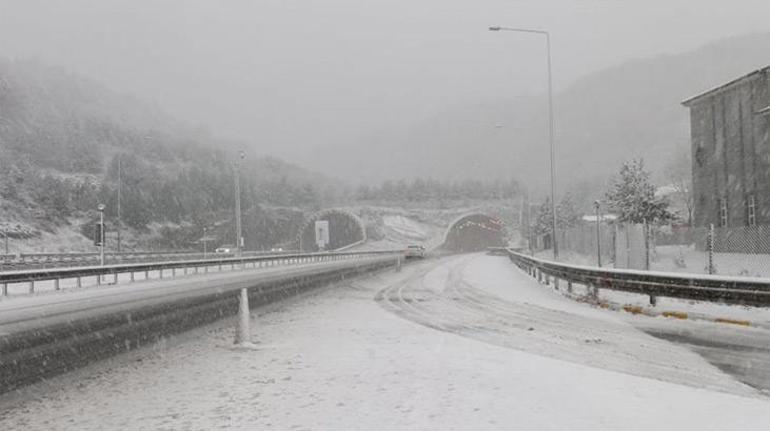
pixel 415 250
pixel 228 248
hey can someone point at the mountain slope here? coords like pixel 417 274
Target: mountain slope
pixel 64 139
pixel 630 110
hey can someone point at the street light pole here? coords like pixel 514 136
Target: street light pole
pixel 243 331
pixel 550 125
pixel 238 232
pixel 120 181
pixel 101 208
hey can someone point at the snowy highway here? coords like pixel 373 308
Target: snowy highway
pixel 461 342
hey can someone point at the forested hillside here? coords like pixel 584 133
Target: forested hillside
pixel 64 139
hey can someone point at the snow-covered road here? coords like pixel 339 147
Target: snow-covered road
pixel 465 342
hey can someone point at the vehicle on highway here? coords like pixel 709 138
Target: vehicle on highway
pixel 227 248
pixel 415 250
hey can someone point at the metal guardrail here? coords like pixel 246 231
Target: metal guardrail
pixel 46 260
pixel 733 290
pixel 98 272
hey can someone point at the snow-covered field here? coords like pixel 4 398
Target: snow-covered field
pixel 459 343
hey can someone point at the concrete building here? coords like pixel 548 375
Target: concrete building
pixel 730 125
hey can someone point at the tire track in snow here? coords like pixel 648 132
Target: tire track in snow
pixel 463 309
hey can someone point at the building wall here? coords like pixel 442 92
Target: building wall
pixel 730 152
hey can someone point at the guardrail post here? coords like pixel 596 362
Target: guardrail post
pixel 56 284
pixel 78 282
pixel 653 300
pixel 115 278
pixel 132 277
pixel 569 286
pixel 398 263
pixel 5 289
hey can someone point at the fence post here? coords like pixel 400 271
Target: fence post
pixel 646 233
pixel 628 246
pixel 615 245
pixel 710 249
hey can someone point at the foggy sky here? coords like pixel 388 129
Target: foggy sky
pixel 288 75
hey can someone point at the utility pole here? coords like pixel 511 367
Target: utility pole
pixel 204 242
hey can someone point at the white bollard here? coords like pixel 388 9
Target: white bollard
pixel 243 330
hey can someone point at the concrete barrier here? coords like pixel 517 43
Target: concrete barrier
pixel 34 354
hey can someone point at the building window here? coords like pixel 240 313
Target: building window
pixel 723 212
pixel 700 155
pixel 751 210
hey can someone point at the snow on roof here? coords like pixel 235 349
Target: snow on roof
pixel 665 190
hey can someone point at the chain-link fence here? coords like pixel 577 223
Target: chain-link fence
pixel 735 251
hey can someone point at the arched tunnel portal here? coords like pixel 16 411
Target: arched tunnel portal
pixel 475 232
pixel 345 228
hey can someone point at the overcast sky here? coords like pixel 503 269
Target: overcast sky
pixel 284 75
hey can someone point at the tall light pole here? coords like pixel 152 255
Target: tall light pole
pixel 550 123
pixel 101 208
pixel 238 232
pixel 243 331
pixel 120 182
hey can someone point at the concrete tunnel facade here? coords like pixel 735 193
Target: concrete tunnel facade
pixel 475 232
pixel 345 228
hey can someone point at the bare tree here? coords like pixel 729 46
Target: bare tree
pixel 678 173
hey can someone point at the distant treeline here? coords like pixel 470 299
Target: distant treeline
pixel 427 189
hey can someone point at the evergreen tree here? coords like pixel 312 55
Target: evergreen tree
pixel 632 196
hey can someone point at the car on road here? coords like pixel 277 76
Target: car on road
pixel 415 250
pixel 227 248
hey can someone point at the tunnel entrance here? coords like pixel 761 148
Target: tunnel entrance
pixel 475 232
pixel 345 228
